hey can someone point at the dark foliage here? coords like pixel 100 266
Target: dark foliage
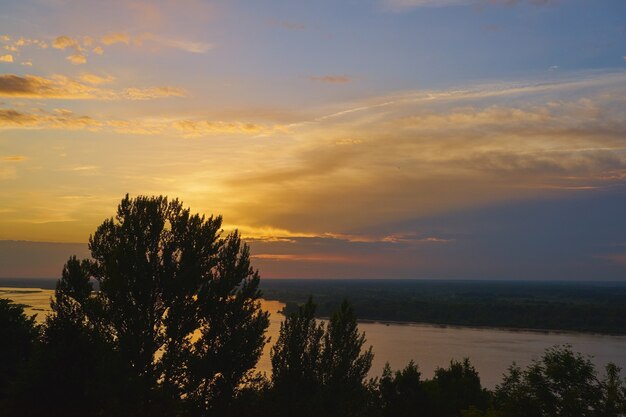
pixel 402 394
pixel 561 384
pixel 319 370
pixel 17 338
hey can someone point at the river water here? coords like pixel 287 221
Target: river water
pixel 491 351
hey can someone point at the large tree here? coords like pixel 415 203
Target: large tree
pixel 177 301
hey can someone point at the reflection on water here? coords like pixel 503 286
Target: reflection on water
pixel 35 300
pixel 491 351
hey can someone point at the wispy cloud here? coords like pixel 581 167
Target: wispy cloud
pixel 196 128
pixel 96 79
pixel 61 87
pixel 176 43
pixel 58 119
pixel 402 5
pixel 332 79
pixel 66 119
pixel 6 58
pixel 310 257
pixel 13 158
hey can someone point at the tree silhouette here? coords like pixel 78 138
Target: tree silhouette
pixel 344 365
pixel 320 370
pixel 402 394
pixel 178 304
pixel 561 384
pixel 457 388
pixel 613 403
pixel 295 363
pixel 18 333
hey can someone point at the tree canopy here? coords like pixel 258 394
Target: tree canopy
pixel 177 305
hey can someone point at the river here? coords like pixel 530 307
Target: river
pixel 491 351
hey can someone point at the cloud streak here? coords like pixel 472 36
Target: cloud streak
pixel 403 5
pixel 331 79
pixel 61 87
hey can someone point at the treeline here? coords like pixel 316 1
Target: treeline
pixel 176 329
pixel 585 307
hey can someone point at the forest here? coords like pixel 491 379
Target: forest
pixel 175 328
pixel 593 307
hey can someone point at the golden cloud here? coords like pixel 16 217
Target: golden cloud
pixel 77 59
pixel 115 37
pixel 61 87
pixel 32 86
pixel 13 118
pixel 96 79
pixel 63 42
pixel 152 93
pixel 6 58
pixel 311 257
pixel 194 128
pixel 59 119
pixel 66 119
pixel 14 158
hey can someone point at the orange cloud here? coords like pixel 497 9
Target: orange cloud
pixel 63 42
pixel 77 59
pixel 14 158
pixel 193 128
pixel 96 79
pixel 61 87
pixel 152 93
pixel 324 258
pixel 59 119
pixel 115 37
pixel 6 58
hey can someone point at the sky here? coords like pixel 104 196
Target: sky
pixel 433 139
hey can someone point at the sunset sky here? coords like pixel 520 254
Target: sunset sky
pixel 437 139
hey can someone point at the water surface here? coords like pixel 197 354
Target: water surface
pixel 491 351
